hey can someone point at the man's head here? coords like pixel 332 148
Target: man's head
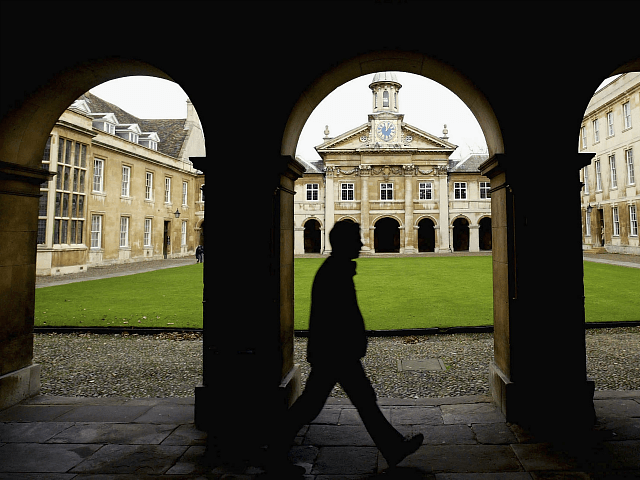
pixel 345 239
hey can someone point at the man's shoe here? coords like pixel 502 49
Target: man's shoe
pixel 406 448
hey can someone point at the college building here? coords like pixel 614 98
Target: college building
pixel 397 181
pixel 124 190
pixel 610 195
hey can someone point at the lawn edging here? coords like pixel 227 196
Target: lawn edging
pixel 407 332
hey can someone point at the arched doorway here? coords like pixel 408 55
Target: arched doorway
pixel 387 236
pixel 460 235
pixel 312 236
pixel 484 233
pixel 426 235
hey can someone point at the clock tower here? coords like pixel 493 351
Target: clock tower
pixel 385 119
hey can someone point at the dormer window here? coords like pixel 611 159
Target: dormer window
pixel 109 128
pixel 149 140
pixel 129 132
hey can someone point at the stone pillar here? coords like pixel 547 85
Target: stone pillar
pixel 410 243
pixel 19 194
pixel 249 378
pixel 443 207
pixel 474 238
pixel 365 176
pixel 538 376
pixel 299 241
pixel 329 208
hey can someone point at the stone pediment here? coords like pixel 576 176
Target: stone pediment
pixel 410 138
pixel 347 141
pixel 421 140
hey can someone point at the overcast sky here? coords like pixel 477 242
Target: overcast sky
pixel 426 105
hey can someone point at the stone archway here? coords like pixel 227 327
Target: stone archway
pixel 312 236
pixel 426 235
pixel 484 233
pixel 460 240
pixel 42 88
pixel 386 237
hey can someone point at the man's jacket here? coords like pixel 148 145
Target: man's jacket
pixel 336 326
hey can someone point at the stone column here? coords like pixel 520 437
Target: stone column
pixel 329 208
pixel 474 238
pixel 538 376
pixel 299 241
pixel 251 359
pixel 409 232
pixel 19 194
pixel 443 207
pixel 365 176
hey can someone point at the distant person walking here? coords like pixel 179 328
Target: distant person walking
pixel 199 254
pixel 337 342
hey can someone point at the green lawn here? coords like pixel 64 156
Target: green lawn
pixel 611 293
pixel 167 298
pixel 393 293
pixel 411 292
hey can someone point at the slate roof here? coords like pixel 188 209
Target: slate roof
pixel 316 166
pixel 171 132
pixel 469 164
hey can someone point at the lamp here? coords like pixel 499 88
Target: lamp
pixel 177 213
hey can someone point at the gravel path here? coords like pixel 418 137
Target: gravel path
pixel 170 364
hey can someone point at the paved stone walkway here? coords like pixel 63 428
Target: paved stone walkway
pixel 466 438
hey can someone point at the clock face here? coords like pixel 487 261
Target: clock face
pixel 386 130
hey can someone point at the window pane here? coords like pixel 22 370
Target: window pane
pixel 56 231
pixel 72 235
pixel 42 205
pixel 60 150
pixel 80 226
pixel 57 209
pixel 42 230
pixel 63 231
pixel 59 176
pixel 83 157
pixel 66 178
pixel 76 174
pixel 67 153
pixel 80 206
pixel 65 205
pixel 81 181
pixel 76 156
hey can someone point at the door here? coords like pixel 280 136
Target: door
pixel 166 242
pixel 600 233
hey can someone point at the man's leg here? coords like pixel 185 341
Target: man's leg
pixel 358 387
pixel 389 441
pixel 307 407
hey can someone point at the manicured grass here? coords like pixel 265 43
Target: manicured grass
pixel 442 292
pixel 169 298
pixel 393 293
pixel 411 292
pixel 612 293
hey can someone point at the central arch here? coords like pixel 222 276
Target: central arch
pixel 416 63
pixel 386 237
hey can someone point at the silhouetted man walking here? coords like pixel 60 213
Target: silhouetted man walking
pixel 337 342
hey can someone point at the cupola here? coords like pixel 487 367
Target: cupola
pixel 385 87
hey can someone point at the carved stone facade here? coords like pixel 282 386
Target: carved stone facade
pixel 398 182
pixel 611 195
